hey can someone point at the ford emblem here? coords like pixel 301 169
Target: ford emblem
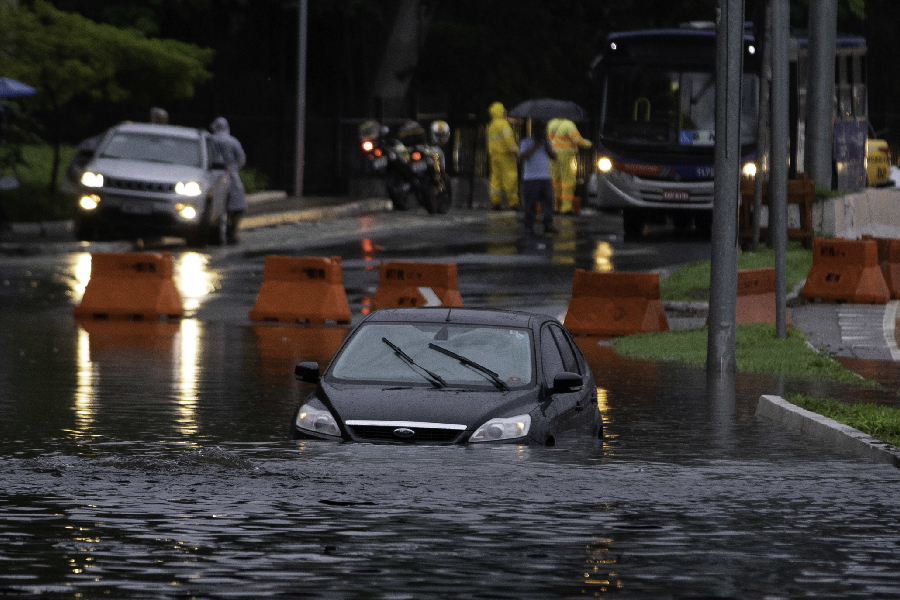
pixel 404 432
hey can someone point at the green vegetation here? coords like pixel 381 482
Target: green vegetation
pixel 691 283
pixel 881 422
pixel 31 201
pixel 757 350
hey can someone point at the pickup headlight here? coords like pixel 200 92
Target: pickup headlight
pixel 316 420
pixel 191 188
pixel 502 429
pixel 92 179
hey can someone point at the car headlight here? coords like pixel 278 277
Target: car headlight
pixel 749 169
pixel 191 188
pixel 92 179
pixel 89 202
pixel 186 211
pixel 310 418
pixel 502 429
pixel 604 164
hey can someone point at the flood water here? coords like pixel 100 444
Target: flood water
pixel 152 460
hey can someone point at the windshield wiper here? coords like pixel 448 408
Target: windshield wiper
pixel 408 360
pixel 471 363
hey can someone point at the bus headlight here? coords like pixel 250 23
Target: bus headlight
pixel 604 164
pixel 749 169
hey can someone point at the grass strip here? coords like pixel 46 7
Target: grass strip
pixel 757 350
pixel 881 422
pixel 691 282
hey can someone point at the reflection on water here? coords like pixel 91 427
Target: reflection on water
pixel 192 278
pixel 187 364
pixel 84 386
pixel 603 254
pixel 81 274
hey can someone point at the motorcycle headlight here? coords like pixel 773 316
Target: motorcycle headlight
pixel 507 428
pixel 316 420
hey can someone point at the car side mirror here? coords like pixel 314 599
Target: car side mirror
pixel 565 383
pixel 307 372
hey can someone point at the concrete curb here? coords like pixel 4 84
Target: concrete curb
pixel 315 214
pixel 842 436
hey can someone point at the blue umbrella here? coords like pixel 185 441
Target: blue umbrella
pixel 10 88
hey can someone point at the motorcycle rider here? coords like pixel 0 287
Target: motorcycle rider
pixel 502 152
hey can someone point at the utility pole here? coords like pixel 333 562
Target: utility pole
pixel 778 183
pixel 820 91
pixel 302 10
pixel 720 356
pixel 762 128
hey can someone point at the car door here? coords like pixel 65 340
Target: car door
pixel 557 356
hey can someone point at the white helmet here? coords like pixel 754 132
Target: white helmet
pixel 440 132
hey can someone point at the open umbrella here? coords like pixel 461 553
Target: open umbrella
pixel 548 108
pixel 10 88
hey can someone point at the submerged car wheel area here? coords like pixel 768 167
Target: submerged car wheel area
pixel 147 179
pixel 451 376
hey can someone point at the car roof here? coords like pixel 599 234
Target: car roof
pixel 469 316
pixel 157 129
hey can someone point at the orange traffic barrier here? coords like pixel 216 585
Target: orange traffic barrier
pixel 609 304
pixel 411 284
pixel 846 271
pixel 301 289
pixel 280 347
pixel 756 297
pixel 889 261
pixel 130 285
pixel 891 268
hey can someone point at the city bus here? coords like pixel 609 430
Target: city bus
pixel 655 123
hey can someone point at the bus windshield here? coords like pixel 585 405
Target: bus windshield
pixel 665 106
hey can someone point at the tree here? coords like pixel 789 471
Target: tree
pixel 67 57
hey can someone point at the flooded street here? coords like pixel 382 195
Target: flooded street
pixel 153 459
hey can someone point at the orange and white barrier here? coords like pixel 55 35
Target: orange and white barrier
pixel 301 289
pixel 130 285
pixel 846 271
pixel 611 304
pixel 412 284
pixel 756 297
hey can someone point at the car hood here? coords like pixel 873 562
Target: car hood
pixel 427 405
pixel 145 171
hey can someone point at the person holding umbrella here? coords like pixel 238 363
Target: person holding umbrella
pixel 535 152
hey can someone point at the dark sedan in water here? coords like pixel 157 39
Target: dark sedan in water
pixel 451 375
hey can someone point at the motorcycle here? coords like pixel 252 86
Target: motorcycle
pixel 389 158
pixel 431 182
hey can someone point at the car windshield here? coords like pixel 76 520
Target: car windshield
pixel 154 148
pixel 502 351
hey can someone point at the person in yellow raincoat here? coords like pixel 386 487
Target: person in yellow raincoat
pixel 566 141
pixel 502 151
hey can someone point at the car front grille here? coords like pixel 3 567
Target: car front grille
pixel 138 186
pixel 388 431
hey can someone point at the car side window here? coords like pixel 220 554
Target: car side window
pixel 551 359
pixel 570 361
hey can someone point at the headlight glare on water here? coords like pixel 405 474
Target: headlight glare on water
pixel 316 420
pixel 507 428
